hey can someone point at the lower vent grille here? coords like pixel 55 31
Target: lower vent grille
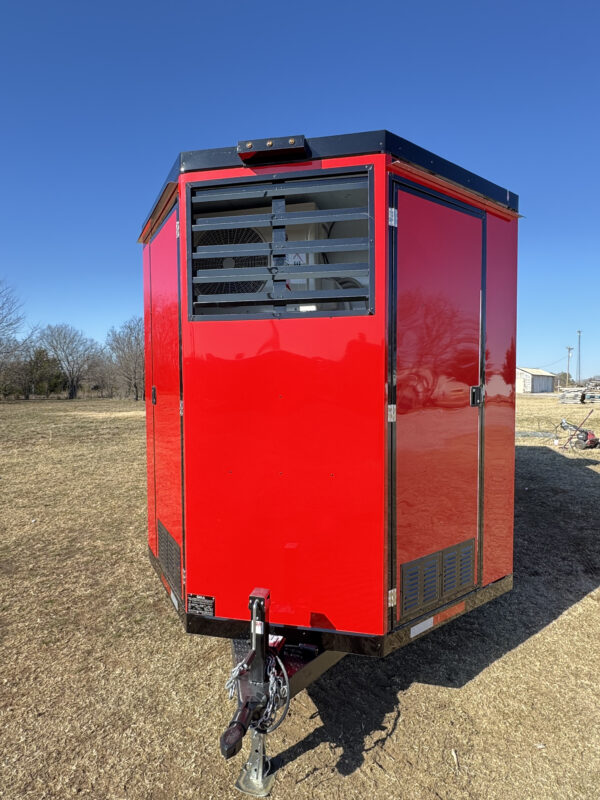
pixel 435 578
pixel 169 555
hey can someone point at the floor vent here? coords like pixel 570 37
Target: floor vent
pixel 169 556
pixel 435 578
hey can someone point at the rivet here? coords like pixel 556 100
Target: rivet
pixel 248 145
pixel 270 143
pixel 292 141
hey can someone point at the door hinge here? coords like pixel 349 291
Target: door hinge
pixel 181 408
pixel 391 598
pixel 393 217
pixel 392 413
pixel 177 229
pixel 154 395
pixel 477 395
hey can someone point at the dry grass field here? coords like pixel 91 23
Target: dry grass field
pixel 102 695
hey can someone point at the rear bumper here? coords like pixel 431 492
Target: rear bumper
pixel 341 641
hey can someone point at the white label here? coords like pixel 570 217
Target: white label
pixel 296 259
pixel 307 308
pixel 422 626
pixel 174 601
pixel 258 627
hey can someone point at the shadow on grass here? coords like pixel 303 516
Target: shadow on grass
pixel 556 563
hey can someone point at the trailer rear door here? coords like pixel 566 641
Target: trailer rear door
pixel 438 373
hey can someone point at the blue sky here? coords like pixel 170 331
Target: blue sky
pixel 98 99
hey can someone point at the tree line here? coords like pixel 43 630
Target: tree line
pixel 59 359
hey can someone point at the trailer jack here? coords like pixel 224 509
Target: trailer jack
pixel 267 673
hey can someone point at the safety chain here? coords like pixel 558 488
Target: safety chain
pixel 230 683
pixel 278 691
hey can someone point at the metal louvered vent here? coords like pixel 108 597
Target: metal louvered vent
pixel 169 555
pixel 293 246
pixel 449 573
pixel 438 577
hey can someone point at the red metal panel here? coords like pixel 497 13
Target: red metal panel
pixel 500 398
pixel 439 283
pixel 284 433
pixel 149 408
pixel 165 368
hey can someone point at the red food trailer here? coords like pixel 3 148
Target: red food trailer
pixel 330 360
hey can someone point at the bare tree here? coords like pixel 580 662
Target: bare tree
pixel 126 345
pixel 11 316
pixel 11 319
pixel 73 351
pixel 101 373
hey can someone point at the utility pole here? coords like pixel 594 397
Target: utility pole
pixel 578 358
pixel 569 351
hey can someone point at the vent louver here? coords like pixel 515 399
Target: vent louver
pixel 169 555
pixel 253 254
pixel 433 579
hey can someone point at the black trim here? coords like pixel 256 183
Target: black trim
pixel 478 597
pixel 350 144
pixel 482 379
pixel 183 552
pixel 152 397
pixel 340 641
pixel 391 382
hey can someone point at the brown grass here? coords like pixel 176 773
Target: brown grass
pixel 102 695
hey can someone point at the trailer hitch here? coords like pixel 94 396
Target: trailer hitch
pixel 267 673
pixel 252 680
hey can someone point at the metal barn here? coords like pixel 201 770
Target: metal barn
pixel 330 437
pixel 534 381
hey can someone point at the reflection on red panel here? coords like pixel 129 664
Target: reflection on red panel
pixel 284 456
pixel 167 420
pixel 500 397
pixel 148 394
pixel 439 283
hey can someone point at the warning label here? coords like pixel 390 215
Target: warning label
pixel 201 604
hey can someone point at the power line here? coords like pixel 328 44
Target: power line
pixel 551 363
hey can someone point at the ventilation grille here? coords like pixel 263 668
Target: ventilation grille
pixel 433 579
pixel 294 247
pixel 169 556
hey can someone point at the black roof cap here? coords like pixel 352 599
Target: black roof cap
pixel 348 144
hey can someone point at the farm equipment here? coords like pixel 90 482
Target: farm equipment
pixel 580 438
pixel 330 339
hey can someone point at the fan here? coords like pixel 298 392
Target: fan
pixel 233 236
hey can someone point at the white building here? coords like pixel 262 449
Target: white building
pixel 531 380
